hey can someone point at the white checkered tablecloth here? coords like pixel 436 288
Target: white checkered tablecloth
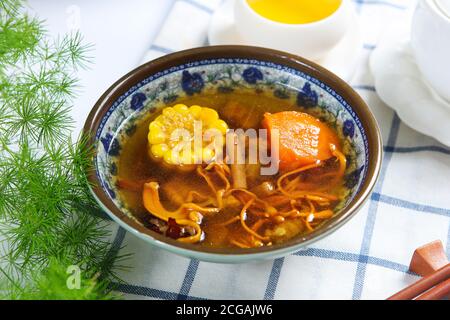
pixel 367 258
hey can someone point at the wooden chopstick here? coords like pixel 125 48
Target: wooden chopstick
pixel 436 293
pixel 424 284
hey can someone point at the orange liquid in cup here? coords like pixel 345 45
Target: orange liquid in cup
pixel 295 11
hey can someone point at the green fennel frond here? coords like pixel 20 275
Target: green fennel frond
pixel 51 284
pixel 10 7
pixel 48 219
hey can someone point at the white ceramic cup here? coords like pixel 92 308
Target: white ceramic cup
pixel 310 40
pixel 430 41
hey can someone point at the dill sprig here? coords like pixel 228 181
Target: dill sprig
pixel 48 219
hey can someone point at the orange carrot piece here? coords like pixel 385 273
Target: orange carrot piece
pixel 303 139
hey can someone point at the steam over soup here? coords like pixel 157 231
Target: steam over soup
pixel 188 173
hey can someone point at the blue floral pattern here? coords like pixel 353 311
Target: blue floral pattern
pixel 113 169
pixel 352 178
pixel 192 83
pixel 252 75
pixel 348 129
pixel 307 97
pixel 110 191
pixel 111 145
pixel 137 101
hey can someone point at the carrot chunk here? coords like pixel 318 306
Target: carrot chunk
pixel 303 139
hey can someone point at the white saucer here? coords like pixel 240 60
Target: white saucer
pixel 400 84
pixel 342 60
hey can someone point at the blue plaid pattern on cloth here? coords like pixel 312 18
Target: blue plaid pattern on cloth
pixel 368 257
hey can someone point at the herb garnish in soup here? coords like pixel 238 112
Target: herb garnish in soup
pixel 233 170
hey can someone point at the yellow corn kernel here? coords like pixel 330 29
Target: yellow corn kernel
pixel 171 157
pixel 154 125
pixel 208 115
pixel 181 108
pixel 168 112
pixel 195 111
pixel 156 135
pixel 219 125
pixel 207 154
pixel 158 150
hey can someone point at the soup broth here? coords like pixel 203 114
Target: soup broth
pixel 223 229
pixel 295 11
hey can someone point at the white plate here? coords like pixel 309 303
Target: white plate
pixel 400 84
pixel 342 60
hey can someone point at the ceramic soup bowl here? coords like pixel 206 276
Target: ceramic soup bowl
pixel 223 69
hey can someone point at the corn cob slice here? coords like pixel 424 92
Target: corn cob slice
pixel 173 136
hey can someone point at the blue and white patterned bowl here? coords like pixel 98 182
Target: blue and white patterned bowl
pixel 223 69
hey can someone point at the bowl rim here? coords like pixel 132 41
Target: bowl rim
pixel 138 74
